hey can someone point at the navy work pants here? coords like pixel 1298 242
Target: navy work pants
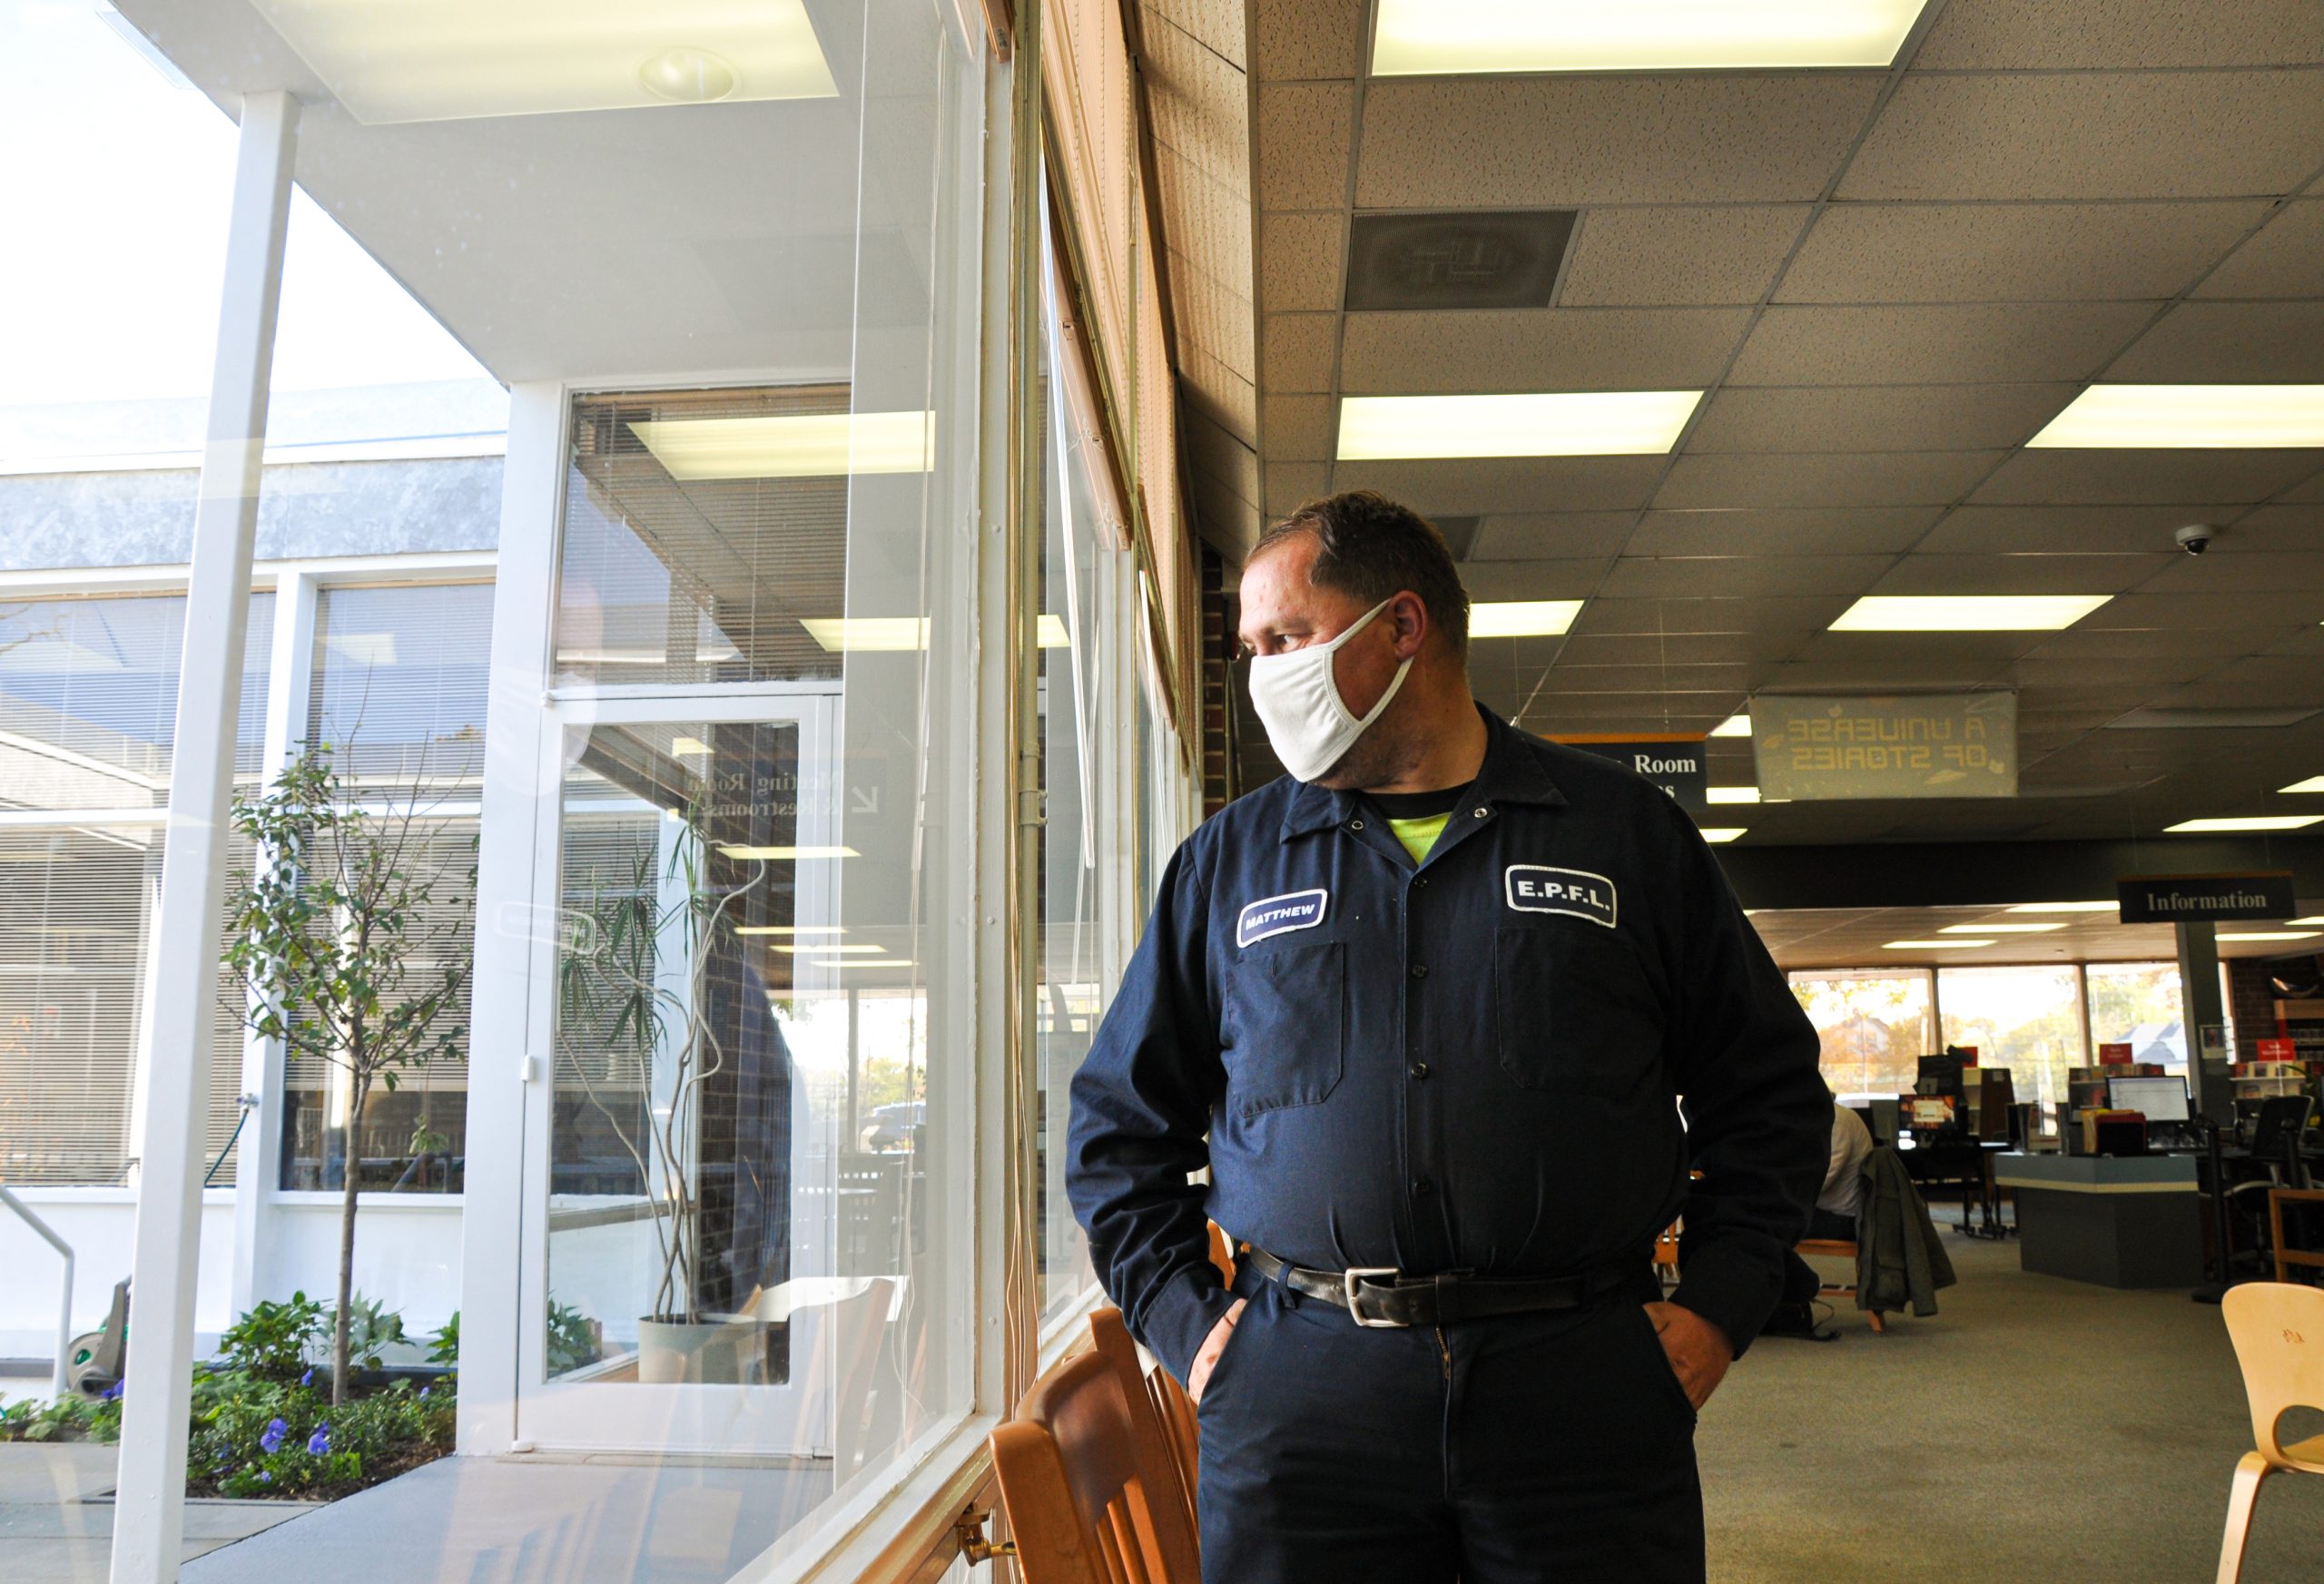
pixel 1556 1445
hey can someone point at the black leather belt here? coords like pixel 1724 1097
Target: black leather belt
pixel 1383 1295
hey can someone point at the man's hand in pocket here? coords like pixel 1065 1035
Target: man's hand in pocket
pixel 1206 1356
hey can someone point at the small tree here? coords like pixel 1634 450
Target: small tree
pixel 345 950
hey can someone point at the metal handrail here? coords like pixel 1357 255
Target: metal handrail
pixel 62 1382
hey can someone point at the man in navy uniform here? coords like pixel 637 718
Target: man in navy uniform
pixel 1430 1008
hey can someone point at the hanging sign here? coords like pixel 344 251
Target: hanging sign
pixel 1922 745
pixel 1673 761
pixel 2170 898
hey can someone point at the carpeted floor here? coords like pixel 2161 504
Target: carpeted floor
pixel 2034 1429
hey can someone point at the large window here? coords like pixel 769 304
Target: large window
pixel 1875 1026
pixel 2138 1004
pixel 2025 1018
pixel 88 705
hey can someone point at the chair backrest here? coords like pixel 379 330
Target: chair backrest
pixel 2278 1329
pixel 1161 1465
pixel 1079 1508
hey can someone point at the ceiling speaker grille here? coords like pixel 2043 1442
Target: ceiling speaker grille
pixel 1456 258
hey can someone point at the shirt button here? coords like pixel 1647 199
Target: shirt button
pixel 1422 1186
pixel 1420 1069
pixel 1421 879
pixel 1419 970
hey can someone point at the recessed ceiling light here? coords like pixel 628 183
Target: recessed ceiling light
pixel 1733 726
pixel 790 445
pixel 452 60
pixel 2067 908
pixel 2314 783
pixel 1429 36
pixel 1518 618
pixel 1718 833
pixel 1967 613
pixel 776 854
pixel 1932 945
pixel 1588 423
pixel 879 635
pixel 2183 416
pixel 2246 822
pixel 812 950
pixel 789 930
pixel 1997 928
pixel 2270 935
pixel 1732 794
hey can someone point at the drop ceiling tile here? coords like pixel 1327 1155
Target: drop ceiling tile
pixel 1529 536
pixel 1296 351
pixel 2080 135
pixel 1565 578
pixel 1216 24
pixel 1308 38
pixel 1801 614
pixel 2253 572
pixel 2101 478
pixel 2209 645
pixel 2303 494
pixel 1509 141
pixel 1826 478
pixel 1669 348
pixel 1204 219
pixel 1212 316
pixel 1299 428
pixel 1925 574
pixel 2181 611
pixel 1866 530
pixel 1304 132
pixel 2256 681
pixel 1200 102
pixel 2229 342
pixel 1499 484
pixel 1291 485
pixel 2308 638
pixel 2013 252
pixel 1750 650
pixel 2064 529
pixel 1674 256
pixel 1303 258
pixel 1211 450
pixel 1226 519
pixel 2122 34
pixel 1552 714
pixel 1224 397
pixel 1741 577
pixel 1978 655
pixel 1567 679
pixel 1947 344
pixel 1883 417
pixel 2273 527
pixel 2285 259
pixel 1873 676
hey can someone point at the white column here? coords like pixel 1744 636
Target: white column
pixel 258 1175
pixel 149 1514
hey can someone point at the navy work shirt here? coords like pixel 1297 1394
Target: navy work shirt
pixel 1466 1064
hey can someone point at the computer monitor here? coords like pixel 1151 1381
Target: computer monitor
pixel 2158 1100
pixel 2282 1117
pixel 1939 1076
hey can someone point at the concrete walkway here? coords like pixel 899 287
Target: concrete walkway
pixel 52 1532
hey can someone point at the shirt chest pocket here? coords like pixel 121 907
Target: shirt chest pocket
pixel 1286 1026
pixel 1576 1012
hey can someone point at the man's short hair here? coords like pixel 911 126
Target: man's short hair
pixel 1375 548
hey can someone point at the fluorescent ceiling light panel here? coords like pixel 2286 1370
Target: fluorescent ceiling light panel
pixel 1521 618
pixel 779 855
pixel 2246 822
pixel 790 445
pixel 878 634
pixel 1593 423
pixel 2270 935
pixel 1732 794
pixel 2067 908
pixel 689 746
pixel 2314 783
pixel 789 930
pixel 1718 833
pixel 2209 417
pixel 2317 918
pixel 1932 945
pixel 812 950
pixel 1967 613
pixel 390 61
pixel 1733 726
pixel 1438 36
pixel 1998 928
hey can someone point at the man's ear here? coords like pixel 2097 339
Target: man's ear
pixel 1410 615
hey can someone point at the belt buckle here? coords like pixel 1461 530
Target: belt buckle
pixel 1351 1277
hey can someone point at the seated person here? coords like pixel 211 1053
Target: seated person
pixel 1834 1217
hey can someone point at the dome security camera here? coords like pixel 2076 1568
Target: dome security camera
pixel 2195 538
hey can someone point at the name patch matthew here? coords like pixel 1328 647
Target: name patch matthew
pixel 1536 888
pixel 1275 915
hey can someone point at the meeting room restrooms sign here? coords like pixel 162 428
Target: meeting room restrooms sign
pixel 1918 745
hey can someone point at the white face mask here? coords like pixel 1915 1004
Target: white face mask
pixel 1308 724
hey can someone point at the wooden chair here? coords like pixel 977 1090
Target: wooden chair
pixel 1086 1503
pixel 1148 1394
pixel 2278 1329
pixel 1839 1248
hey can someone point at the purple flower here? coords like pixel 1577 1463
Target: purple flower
pixel 318 1443
pixel 423 1391
pixel 112 1393
pixel 271 1442
pixel 308 1377
pixel 264 1477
